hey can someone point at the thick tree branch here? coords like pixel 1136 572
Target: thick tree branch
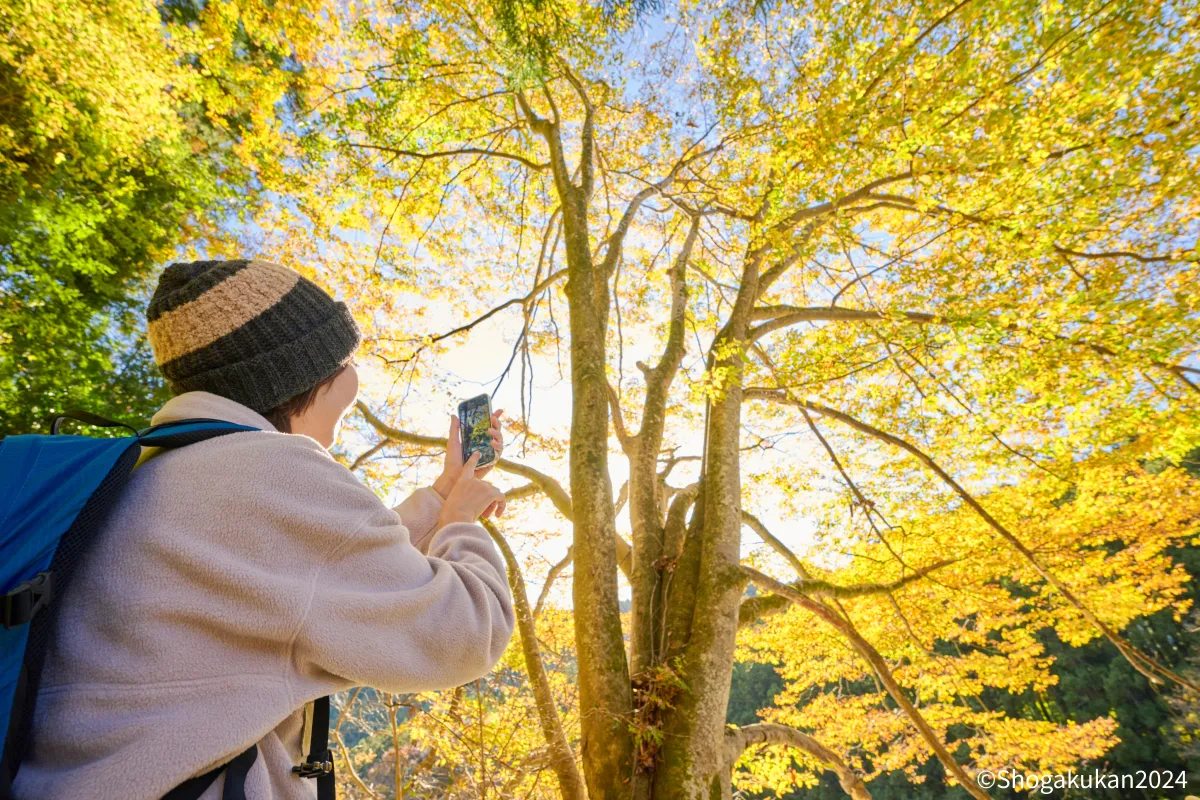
pixel 770 733
pixel 549 131
pixel 811 212
pixel 562 757
pixel 358 462
pixel 614 405
pixel 760 607
pixel 523 491
pixel 756 525
pixel 1143 663
pixel 782 316
pixel 645 490
pixel 1114 254
pixel 819 588
pixel 776 271
pixel 616 240
pixel 587 136
pixel 660 376
pixel 872 656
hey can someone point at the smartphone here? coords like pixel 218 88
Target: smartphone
pixel 474 419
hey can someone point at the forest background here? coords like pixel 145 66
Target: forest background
pixel 849 353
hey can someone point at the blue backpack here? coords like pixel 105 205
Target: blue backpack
pixel 55 493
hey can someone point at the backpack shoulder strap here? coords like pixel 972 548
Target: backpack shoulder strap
pixel 182 432
pixel 319 762
pixel 88 418
pixel 235 779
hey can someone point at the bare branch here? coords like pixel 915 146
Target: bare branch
pixel 781 316
pixel 358 462
pixel 551 577
pixel 512 301
pixel 907 203
pixel 1114 254
pixel 337 735
pixel 659 377
pixel 461 151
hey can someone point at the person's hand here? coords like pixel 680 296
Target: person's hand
pixel 453 463
pixel 470 498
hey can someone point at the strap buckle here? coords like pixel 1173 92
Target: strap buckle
pixel 23 603
pixel 323 765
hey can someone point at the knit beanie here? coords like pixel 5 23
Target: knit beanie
pixel 255 332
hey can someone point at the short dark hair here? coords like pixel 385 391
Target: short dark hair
pixel 281 415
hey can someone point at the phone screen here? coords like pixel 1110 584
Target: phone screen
pixel 474 418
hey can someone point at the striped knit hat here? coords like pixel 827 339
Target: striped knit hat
pixel 255 332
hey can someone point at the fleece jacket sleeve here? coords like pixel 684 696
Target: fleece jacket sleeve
pixel 384 614
pixel 419 513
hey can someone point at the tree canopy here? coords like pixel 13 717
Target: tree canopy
pixel 128 133
pixel 947 245
pixel 886 309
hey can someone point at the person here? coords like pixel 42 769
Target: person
pixel 240 578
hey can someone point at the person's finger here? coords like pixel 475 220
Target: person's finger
pixel 498 500
pixel 454 443
pixel 503 505
pixel 496 414
pixel 487 512
pixel 469 467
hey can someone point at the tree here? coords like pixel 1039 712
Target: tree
pixel 1087 683
pixel 948 244
pixel 94 176
pixel 126 135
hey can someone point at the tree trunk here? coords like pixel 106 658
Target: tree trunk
pixel 604 690
pixel 693 754
pixel 652 568
pixel 647 528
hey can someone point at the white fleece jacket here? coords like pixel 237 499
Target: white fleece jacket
pixel 237 580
